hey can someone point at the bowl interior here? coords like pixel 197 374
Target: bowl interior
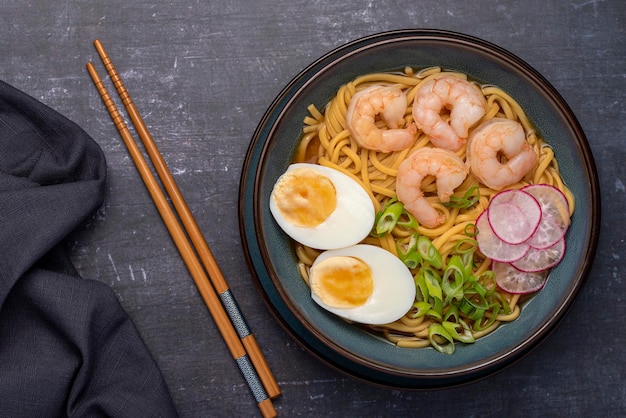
pixel 271 253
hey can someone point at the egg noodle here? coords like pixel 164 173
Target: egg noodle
pixel 326 141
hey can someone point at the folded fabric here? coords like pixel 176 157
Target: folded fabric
pixel 67 347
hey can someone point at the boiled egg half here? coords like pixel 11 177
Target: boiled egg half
pixel 362 283
pixel 321 207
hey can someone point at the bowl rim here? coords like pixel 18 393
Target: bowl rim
pixel 308 337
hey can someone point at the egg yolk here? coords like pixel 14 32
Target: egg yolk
pixel 305 197
pixel 342 281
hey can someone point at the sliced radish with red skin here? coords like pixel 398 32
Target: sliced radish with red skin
pixel 513 280
pixel 552 201
pixel 542 259
pixel 548 233
pixel 555 218
pixel 514 215
pixel 493 247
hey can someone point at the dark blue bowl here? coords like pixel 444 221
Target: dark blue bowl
pixel 270 253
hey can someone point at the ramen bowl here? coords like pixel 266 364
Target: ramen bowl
pixel 271 254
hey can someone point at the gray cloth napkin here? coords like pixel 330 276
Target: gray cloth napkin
pixel 67 347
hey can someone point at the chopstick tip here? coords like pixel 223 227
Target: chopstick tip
pixel 99 47
pixel 267 409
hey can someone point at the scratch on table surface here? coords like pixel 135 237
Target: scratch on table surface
pixel 307 382
pixel 169 78
pixel 132 274
pixel 131 75
pixel 117 275
pixel 594 3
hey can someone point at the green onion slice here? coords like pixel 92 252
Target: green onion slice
pixel 459 331
pixel 421 309
pixel 410 222
pixel 428 252
pixel 388 218
pixel 453 280
pixel 408 253
pixel 470 198
pixel 433 283
pixel 441 339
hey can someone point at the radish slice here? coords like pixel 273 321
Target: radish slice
pixel 514 215
pixel 555 218
pixel 513 280
pixel 493 247
pixel 523 232
pixel 541 259
pixel 551 200
pixel 549 232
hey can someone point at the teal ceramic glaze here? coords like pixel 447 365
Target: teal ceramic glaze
pixel 270 253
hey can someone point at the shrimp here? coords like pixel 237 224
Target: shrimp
pixel 465 101
pixel 450 171
pixel 390 103
pixel 498 154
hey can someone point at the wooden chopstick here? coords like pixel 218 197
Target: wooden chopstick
pixel 193 231
pixel 177 233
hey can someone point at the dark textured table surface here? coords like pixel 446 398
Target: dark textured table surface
pixel 202 74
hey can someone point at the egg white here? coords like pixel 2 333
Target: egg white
pixel 348 224
pixel 394 289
